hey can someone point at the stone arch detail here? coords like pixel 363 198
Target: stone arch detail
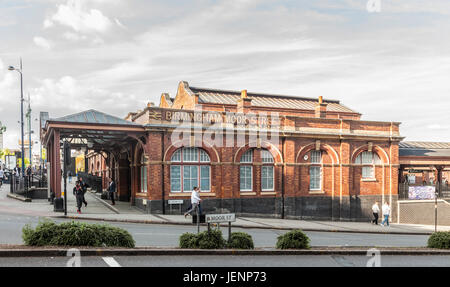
pixel 207 147
pixel 277 157
pixel 377 149
pixel 331 152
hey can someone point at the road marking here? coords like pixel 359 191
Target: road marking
pixel 111 262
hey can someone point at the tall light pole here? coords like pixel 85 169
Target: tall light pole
pixel 11 68
pixel 28 115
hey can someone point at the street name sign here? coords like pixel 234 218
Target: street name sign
pixel 175 201
pixel 218 218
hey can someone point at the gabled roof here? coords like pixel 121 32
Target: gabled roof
pixel 93 117
pixel 266 100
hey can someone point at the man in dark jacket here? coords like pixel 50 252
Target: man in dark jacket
pixel 79 195
pixel 84 187
pixel 112 190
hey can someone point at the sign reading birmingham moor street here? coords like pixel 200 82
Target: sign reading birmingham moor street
pixel 260 120
pixel 218 218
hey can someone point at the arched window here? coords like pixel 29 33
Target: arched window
pixel 315 170
pixel 267 171
pixel 368 160
pixel 246 171
pixel 190 168
pixel 143 170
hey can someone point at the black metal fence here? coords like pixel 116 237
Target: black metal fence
pixel 442 190
pixel 22 185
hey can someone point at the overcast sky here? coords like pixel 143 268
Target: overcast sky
pixel 117 55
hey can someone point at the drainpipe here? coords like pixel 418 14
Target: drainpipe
pixel 162 174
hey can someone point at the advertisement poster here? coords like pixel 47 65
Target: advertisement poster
pixel 421 192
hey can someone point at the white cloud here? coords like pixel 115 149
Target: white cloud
pixel 74 36
pixel 42 42
pixel 47 23
pixel 75 15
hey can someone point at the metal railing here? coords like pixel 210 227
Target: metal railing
pixel 23 185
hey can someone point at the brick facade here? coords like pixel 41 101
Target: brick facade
pixel 338 133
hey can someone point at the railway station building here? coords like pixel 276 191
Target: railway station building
pixel 252 154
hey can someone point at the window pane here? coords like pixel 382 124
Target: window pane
pixel 266 156
pixel 246 178
pixel 204 178
pixel 204 157
pixel 190 154
pixel 316 156
pixel 190 177
pixel 267 178
pixel 176 156
pixel 376 159
pixel 367 157
pixel 247 157
pixel 314 177
pixel 367 172
pixel 175 178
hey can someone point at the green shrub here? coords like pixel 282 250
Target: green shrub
pixel 439 240
pixel 211 240
pixel 294 239
pixel 204 240
pixel 76 234
pixel 188 240
pixel 240 240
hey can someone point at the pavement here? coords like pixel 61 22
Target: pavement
pixel 101 210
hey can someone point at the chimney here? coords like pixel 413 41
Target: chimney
pixel 321 109
pixel 244 104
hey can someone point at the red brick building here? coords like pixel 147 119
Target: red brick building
pixel 255 154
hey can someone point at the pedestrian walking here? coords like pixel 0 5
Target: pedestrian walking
pixel 375 211
pixel 79 195
pixel 84 187
pixel 112 190
pixel 195 202
pixel 386 213
pixel 69 174
pixel 2 175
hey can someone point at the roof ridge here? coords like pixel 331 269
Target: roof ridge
pixel 265 95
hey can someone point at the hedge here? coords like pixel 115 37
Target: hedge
pixel 76 234
pixel 214 240
pixel 439 240
pixel 294 239
pixel 240 240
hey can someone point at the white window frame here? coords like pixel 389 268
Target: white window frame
pixel 143 175
pixel 273 178
pixel 203 159
pixel 251 178
pixel 361 159
pixel 316 164
pixel 267 161
pixel 246 161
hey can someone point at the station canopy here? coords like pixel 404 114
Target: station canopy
pixel 424 154
pixel 93 129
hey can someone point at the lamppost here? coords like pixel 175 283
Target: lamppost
pixel 11 68
pixel 2 130
pixel 28 116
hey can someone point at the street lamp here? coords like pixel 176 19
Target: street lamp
pixel 12 68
